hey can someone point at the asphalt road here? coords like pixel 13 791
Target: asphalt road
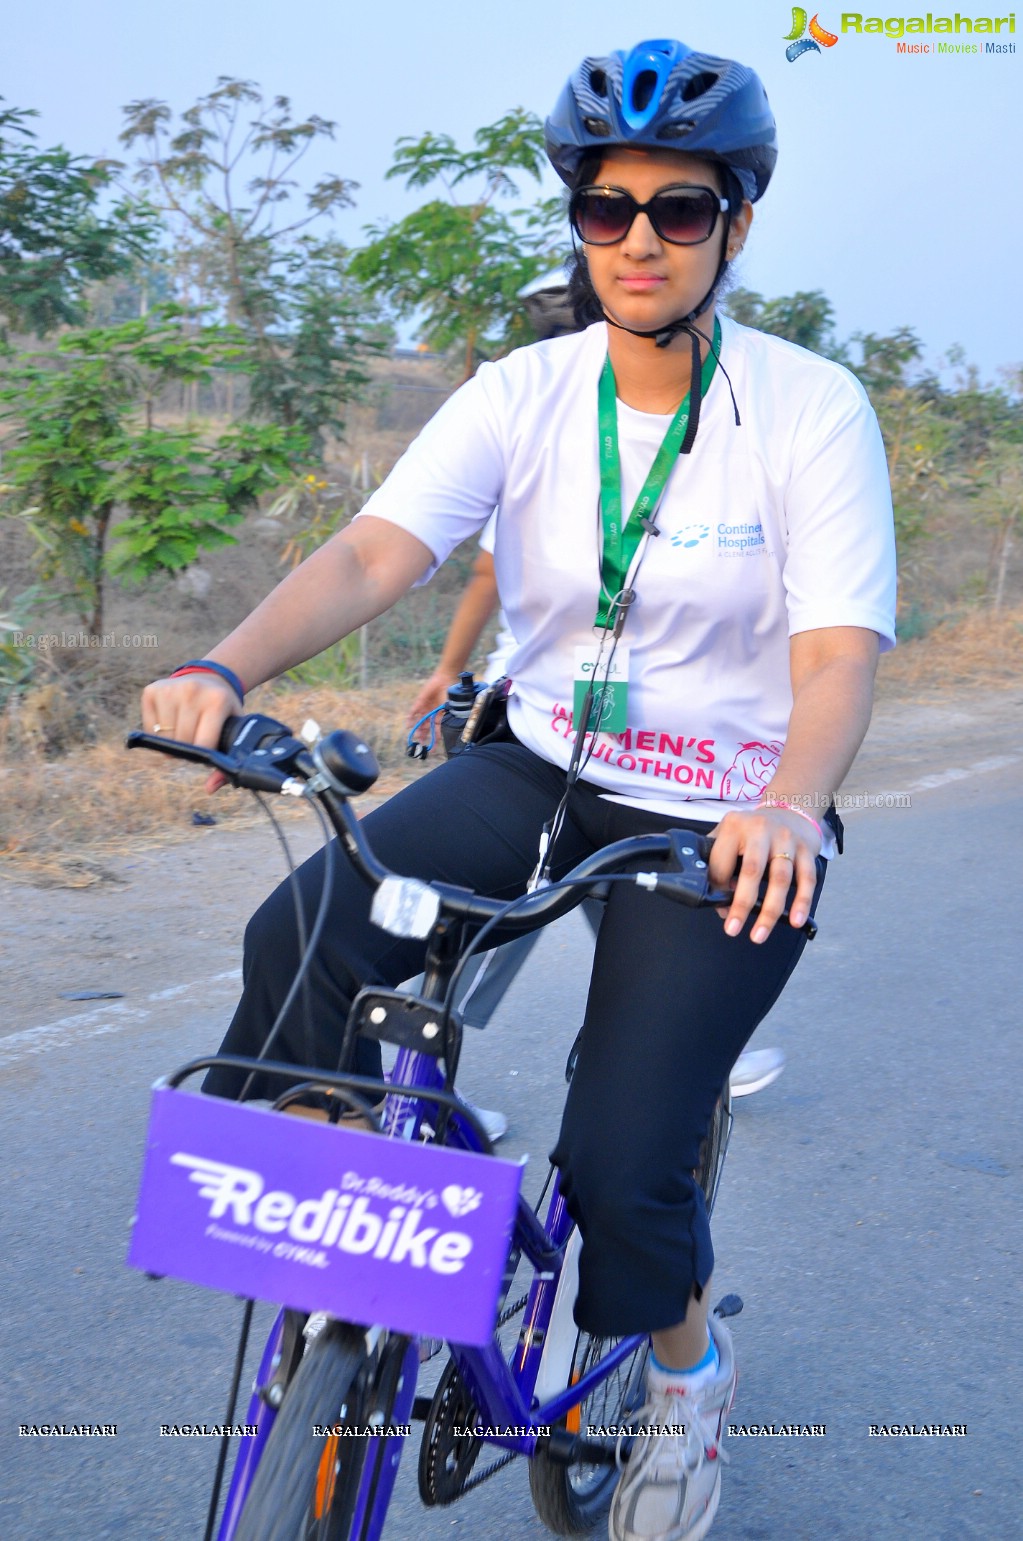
pixel 869 1214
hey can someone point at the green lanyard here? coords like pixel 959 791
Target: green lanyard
pixel 621 538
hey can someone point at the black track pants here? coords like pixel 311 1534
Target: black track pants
pixel 672 1002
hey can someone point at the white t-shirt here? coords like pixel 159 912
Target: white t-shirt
pixel 504 643
pixel 779 526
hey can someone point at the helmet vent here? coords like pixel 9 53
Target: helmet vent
pixel 698 85
pixel 600 128
pixel 643 88
pixel 676 130
pixel 598 82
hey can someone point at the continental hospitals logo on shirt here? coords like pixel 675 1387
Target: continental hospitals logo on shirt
pixel 737 538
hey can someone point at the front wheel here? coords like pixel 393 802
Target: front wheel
pixel 306 1484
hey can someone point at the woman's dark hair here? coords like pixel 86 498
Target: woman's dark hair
pixel 581 294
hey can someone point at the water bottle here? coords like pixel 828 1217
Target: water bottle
pixel 459 704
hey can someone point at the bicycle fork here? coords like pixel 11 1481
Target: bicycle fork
pixel 391 1401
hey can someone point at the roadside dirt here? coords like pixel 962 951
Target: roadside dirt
pixel 175 914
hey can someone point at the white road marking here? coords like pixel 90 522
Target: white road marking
pixel 112 1018
pixel 945 777
pixel 939 779
pixel 956 773
pixel 97 1023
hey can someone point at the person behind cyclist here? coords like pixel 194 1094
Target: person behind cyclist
pixel 753 616
pixel 484 990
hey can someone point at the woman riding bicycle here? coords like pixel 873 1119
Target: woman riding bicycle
pixel 737 612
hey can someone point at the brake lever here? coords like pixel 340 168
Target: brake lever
pixel 177 749
pixel 257 772
pixel 689 883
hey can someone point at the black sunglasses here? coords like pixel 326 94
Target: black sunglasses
pixel 682 216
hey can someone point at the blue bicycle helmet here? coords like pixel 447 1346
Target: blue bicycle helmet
pixel 662 95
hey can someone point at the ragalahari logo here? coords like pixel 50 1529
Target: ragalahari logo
pixel 798 44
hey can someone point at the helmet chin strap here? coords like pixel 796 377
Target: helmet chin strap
pixel 662 339
pixel 662 336
pixel 665 334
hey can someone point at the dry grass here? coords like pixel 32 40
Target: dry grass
pixel 63 820
pixel 982 650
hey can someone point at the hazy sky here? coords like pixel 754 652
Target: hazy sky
pixel 898 182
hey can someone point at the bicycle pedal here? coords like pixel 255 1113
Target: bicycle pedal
pixel 728 1305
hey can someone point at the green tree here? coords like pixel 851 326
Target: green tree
pixel 916 441
pixel 884 359
pixel 315 331
pixel 745 306
pixel 85 449
pixel 980 416
pixel 998 487
pixel 462 265
pixel 248 252
pixel 806 317
pixel 53 240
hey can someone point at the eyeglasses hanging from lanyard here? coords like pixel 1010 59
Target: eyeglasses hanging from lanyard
pixel 622 537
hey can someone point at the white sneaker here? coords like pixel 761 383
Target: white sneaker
pixel 494 1123
pixel 671 1486
pixel 755 1069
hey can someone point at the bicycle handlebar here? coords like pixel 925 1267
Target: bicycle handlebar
pixel 262 755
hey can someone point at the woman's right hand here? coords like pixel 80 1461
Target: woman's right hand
pixel 193 709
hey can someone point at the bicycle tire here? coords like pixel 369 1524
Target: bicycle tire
pixel 573 1499
pixel 714 1149
pixel 305 1487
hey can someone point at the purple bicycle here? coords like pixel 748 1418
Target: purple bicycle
pixel 389 1228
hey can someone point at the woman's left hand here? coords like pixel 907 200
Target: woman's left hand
pixel 758 841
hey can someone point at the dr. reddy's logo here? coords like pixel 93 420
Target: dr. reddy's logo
pixel 798 44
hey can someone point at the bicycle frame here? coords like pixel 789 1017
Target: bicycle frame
pixel 504 1395
pixel 260 1415
pixel 503 1392
pixel 268 759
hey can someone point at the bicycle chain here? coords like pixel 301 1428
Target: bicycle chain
pixel 491 1471
pixel 452 1405
pixel 512 1455
pixel 510 1311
